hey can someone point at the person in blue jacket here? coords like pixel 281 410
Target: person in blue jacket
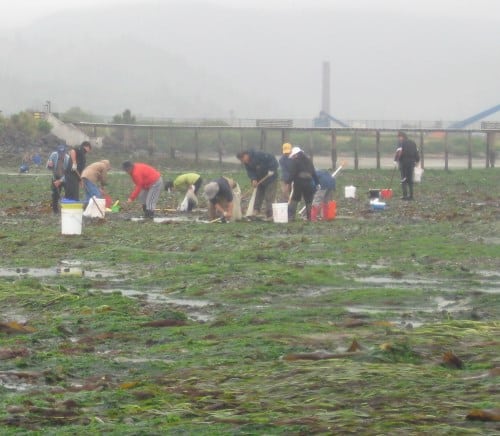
pixel 58 163
pixel 262 170
pixel 323 194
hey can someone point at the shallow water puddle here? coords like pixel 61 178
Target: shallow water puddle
pixel 64 268
pixel 407 314
pixel 437 304
pixel 492 286
pixel 193 307
pixel 391 281
pixel 175 219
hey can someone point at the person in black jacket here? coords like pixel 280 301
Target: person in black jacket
pixel 407 155
pixel 219 194
pixel 305 182
pixel 72 176
pixel 262 169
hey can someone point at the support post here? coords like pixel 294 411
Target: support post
pixel 334 148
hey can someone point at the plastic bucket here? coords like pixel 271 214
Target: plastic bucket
pixel 71 218
pixel 329 210
pixel 280 212
pixel 386 194
pixel 377 205
pixel 417 174
pixel 96 208
pixel 374 193
pixel 350 191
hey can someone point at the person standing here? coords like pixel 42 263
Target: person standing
pixel 262 169
pixel 285 162
pixel 148 185
pixel 304 179
pixel 94 178
pixel 72 177
pixel 191 184
pixel 407 156
pixel 58 162
pixel 219 194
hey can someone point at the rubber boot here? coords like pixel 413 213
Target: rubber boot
pixel 308 212
pixel 144 210
pixel 410 186
pixel 404 186
pixel 315 212
pixel 149 214
pixel 292 210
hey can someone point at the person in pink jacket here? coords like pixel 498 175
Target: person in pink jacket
pixel 148 185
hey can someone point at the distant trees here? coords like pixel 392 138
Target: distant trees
pixel 127 138
pixel 77 114
pixel 125 118
pixel 23 130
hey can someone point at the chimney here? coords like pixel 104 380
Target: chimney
pixel 325 96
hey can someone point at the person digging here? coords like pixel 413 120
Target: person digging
pixel 220 199
pixel 148 185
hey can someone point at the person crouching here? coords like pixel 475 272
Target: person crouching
pixel 220 199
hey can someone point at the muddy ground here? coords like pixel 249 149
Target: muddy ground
pixel 378 322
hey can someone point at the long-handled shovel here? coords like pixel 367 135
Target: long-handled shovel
pixel 251 203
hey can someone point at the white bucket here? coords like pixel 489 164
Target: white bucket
pixel 280 212
pixel 71 218
pixel 417 174
pixel 350 191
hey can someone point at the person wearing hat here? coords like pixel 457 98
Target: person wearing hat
pixel 58 162
pixel 219 194
pixel 191 184
pixel 262 170
pixel 148 185
pixel 285 163
pixel 305 182
pixel 407 155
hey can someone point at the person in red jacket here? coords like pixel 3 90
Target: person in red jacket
pixel 148 185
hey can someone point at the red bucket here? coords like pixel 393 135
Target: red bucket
pixel 386 194
pixel 329 210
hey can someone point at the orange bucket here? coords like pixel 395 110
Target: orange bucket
pixel 329 210
pixel 386 194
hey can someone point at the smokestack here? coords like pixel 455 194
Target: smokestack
pixel 325 96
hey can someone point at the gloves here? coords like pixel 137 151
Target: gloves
pixel 396 164
pixel 318 187
pixel 270 173
pixel 73 167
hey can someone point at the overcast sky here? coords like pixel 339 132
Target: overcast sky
pixel 22 12
pixel 391 59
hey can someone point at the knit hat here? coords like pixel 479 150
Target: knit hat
pixel 211 189
pixel 287 148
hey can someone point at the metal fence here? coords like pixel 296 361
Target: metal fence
pixel 367 146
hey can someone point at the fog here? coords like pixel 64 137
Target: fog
pixel 393 61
